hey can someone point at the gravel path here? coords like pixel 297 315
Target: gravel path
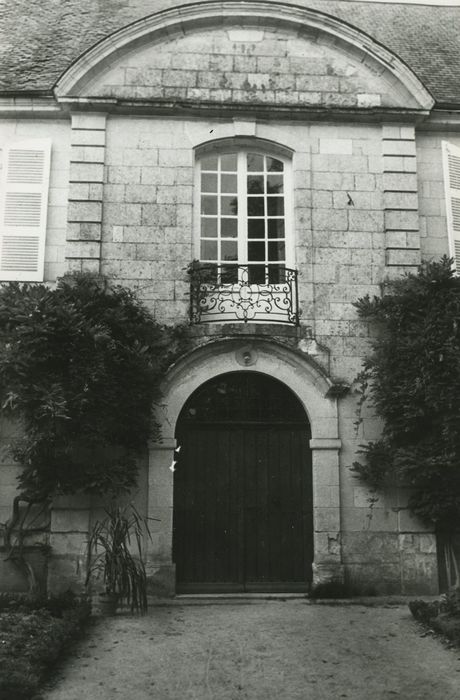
pixel 272 650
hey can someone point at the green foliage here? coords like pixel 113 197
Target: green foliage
pixel 110 555
pixel 32 636
pixel 79 367
pixel 413 380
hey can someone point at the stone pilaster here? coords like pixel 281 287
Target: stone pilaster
pixel 402 238
pixel 160 567
pixel 84 227
pixel 327 564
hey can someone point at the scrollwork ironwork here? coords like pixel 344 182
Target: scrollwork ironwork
pixel 232 294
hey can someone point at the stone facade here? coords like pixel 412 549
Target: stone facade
pixel 367 205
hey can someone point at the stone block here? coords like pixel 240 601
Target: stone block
pixel 398 147
pixel 125 175
pixel 338 146
pixel 87 154
pixel 83 249
pixel 326 519
pixel 145 77
pixel 401 200
pixel 71 543
pixel 86 172
pixel 84 211
pixel 374 579
pixel 400 182
pixel 338 164
pixel 332 181
pixel 159 215
pixel 368 99
pixel 366 182
pixel 140 194
pixel 140 156
pixel 365 220
pixel 84 232
pixel 403 164
pixel 70 520
pixel 122 214
pixel 401 220
pixel 326 219
pixel 84 137
pixel 370 548
pixel 177 157
pixel 179 78
pixel 89 121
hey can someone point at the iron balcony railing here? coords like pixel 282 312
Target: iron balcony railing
pixel 259 293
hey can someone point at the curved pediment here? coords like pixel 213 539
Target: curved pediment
pixel 255 53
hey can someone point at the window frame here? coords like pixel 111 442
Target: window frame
pixel 241 147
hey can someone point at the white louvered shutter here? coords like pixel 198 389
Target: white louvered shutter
pixel 451 163
pixel 23 209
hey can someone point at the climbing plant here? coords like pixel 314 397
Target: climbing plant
pixel 80 366
pixel 79 369
pixel 412 378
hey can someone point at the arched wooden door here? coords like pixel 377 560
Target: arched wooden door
pixel 243 488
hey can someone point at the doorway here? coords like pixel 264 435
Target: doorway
pixel 243 488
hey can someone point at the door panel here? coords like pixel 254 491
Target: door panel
pixel 243 508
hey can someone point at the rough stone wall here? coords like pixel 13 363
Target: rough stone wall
pixel 250 66
pixel 59 133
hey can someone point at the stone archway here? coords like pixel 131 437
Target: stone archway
pixel 308 384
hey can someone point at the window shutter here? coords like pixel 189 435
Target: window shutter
pixel 23 209
pixel 451 162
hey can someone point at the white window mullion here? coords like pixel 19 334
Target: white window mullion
pixel 451 165
pixel 242 209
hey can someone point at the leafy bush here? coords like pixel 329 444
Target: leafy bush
pixel 79 367
pixel 31 639
pixel 413 380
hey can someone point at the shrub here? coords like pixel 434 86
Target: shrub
pixel 413 379
pixel 32 635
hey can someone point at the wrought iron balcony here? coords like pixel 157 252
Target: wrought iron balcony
pixel 260 293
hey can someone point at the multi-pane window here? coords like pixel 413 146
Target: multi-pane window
pixel 243 216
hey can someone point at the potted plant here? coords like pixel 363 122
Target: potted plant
pixel 115 555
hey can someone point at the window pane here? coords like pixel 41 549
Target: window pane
pixel 228 162
pixel 229 228
pixel 274 165
pixel 256 274
pixel 255 184
pixel 209 250
pixel 275 184
pixel 255 163
pixel 276 274
pixel 256 228
pixel 208 204
pixel 256 206
pixel 209 163
pixel 256 251
pixel 208 228
pixel 276 250
pixel 229 250
pixel 275 228
pixel 275 206
pixel 228 205
pixel 208 182
pixel 229 274
pixel 229 183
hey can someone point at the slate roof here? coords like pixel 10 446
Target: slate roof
pixel 39 39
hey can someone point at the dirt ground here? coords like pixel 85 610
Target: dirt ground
pixel 240 650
